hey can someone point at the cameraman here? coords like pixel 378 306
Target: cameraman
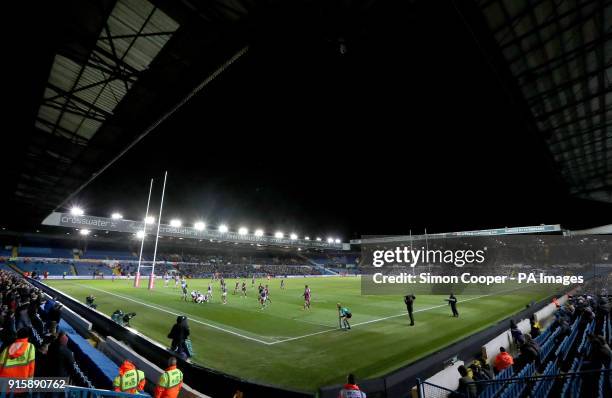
pixel 127 317
pixel 89 300
pixel 117 317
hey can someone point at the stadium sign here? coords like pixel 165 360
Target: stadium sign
pixel 132 227
pixel 537 229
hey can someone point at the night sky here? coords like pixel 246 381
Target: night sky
pixel 411 128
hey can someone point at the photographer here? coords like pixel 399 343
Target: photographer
pixel 127 317
pixel 117 317
pixel 89 300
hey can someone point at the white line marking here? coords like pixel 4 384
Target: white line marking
pixel 256 311
pixel 287 339
pixel 375 320
pixel 192 318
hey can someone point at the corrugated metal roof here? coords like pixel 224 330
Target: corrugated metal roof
pixel 560 52
pixel 80 97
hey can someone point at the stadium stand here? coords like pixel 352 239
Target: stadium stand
pixel 45 252
pixel 108 255
pixel 40 267
pixel 92 372
pixel 574 357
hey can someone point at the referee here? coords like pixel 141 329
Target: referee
pixel 409 301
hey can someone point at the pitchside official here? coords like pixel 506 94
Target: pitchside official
pixel 409 301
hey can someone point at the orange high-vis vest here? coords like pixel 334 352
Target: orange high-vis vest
pixel 18 360
pixel 170 383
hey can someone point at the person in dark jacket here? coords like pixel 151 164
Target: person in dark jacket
pixel 530 351
pixel 409 301
pixel 479 374
pixel 517 335
pixel 466 383
pixel 61 357
pixel 452 301
pixel 54 317
pixel 179 334
pixel 22 318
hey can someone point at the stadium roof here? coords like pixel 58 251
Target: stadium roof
pixel 108 70
pixel 105 71
pixel 560 54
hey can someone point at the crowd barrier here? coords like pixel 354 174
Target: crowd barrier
pixel 401 382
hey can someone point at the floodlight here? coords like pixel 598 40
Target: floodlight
pixel 259 232
pixel 149 220
pixel 223 228
pixel 318 239
pixel 243 231
pixel 278 235
pixel 293 236
pixel 337 240
pixel 176 223
pixel 85 232
pixel 76 211
pixel 200 226
pixel 116 216
pixel 307 237
pixel 330 240
pixel 140 234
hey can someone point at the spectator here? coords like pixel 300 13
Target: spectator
pixel 54 317
pixel 530 351
pixel 466 384
pixel 61 357
pixel 517 335
pixel 43 364
pixel 536 329
pixel 503 360
pixel 179 335
pixel 18 359
pixel 130 379
pixel 170 382
pixel 350 389
pixel 22 319
pixel 479 374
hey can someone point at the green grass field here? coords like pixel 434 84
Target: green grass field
pixel 286 346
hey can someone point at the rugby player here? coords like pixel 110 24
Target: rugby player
pixel 224 293
pixel 307 295
pixel 344 314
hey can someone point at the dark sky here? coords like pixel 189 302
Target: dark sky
pixel 412 128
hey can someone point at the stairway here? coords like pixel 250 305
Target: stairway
pixel 15 268
pixel 324 271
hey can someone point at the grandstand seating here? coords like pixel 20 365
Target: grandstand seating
pixel 99 369
pixel 88 268
pixel 564 367
pixel 108 255
pixel 40 267
pixel 47 252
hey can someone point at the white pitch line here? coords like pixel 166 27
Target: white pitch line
pixel 177 314
pixel 287 339
pixel 374 320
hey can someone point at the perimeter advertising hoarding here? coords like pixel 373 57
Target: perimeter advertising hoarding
pixel 132 227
